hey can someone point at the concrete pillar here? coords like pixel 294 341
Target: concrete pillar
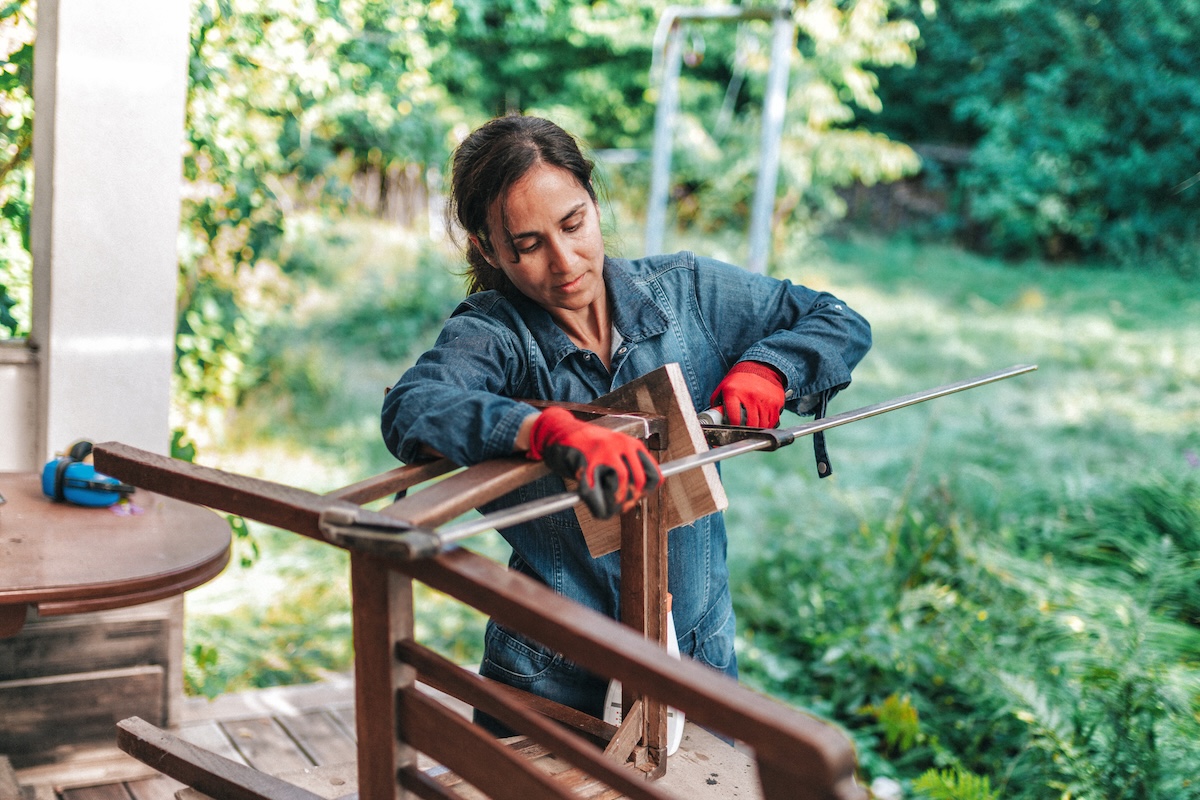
pixel 110 79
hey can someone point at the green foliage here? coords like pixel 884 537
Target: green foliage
pixel 275 644
pixel 992 557
pixel 899 719
pixel 288 104
pixel 364 299
pixel 1081 117
pixel 586 64
pixel 296 104
pixel 16 181
pixel 182 447
pixel 1035 673
pixel 954 784
pixel 214 340
pixel 288 620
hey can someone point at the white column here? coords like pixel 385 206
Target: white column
pixel 18 408
pixel 109 93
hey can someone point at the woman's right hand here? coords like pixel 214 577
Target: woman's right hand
pixel 614 470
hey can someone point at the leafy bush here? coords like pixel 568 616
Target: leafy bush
pixel 1082 116
pixel 941 649
pixel 953 784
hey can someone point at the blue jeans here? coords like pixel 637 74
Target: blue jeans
pixel 516 660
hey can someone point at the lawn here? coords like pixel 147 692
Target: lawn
pixel 995 594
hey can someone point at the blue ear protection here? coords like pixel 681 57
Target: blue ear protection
pixel 69 480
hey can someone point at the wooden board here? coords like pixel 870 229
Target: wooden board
pixel 686 497
pixel 320 737
pixel 85 643
pixel 265 745
pixel 9 790
pixel 40 714
pixel 211 736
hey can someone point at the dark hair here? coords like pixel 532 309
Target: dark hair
pixel 489 161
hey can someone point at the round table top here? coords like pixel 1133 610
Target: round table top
pixel 65 558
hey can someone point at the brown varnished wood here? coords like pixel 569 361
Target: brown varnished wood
pixel 383 616
pixel 507 707
pixel 285 507
pixel 629 734
pixel 423 786
pixel 793 750
pixel 469 751
pixel 687 496
pixel 643 609
pixel 12 619
pixel 202 769
pixel 482 483
pixel 49 551
pixel 395 480
pixel 594 730
pixel 194 578
pixel 781 782
pixel 465 490
pixel 810 749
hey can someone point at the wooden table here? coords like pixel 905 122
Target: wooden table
pixel 65 559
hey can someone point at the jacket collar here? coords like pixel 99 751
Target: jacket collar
pixel 634 313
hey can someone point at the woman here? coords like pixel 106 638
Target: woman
pixel 549 316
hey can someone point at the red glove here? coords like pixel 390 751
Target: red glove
pixel 752 394
pixel 613 469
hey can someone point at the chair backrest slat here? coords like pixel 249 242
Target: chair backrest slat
pixel 798 743
pixel 487 696
pixel 394 480
pixel 470 752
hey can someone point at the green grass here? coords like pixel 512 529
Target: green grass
pixel 999 584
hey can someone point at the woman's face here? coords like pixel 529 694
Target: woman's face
pixel 553 251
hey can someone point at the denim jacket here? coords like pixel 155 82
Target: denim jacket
pixel 701 313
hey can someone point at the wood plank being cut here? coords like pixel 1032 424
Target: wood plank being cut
pixel 686 497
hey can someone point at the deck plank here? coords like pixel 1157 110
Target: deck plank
pixel 266 746
pixel 320 737
pixel 112 791
pixel 345 716
pixel 159 788
pixel 212 737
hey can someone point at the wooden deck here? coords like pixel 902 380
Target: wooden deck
pixel 290 730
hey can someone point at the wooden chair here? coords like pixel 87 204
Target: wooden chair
pixel 797 756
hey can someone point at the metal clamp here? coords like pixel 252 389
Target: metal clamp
pixel 721 435
pixel 376 533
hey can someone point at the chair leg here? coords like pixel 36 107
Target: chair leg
pixel 643 608
pixel 383 615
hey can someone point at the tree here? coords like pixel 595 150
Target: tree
pixel 16 178
pixel 587 64
pixel 288 100
pixel 1082 117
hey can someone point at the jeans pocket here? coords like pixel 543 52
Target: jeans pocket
pixel 514 659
